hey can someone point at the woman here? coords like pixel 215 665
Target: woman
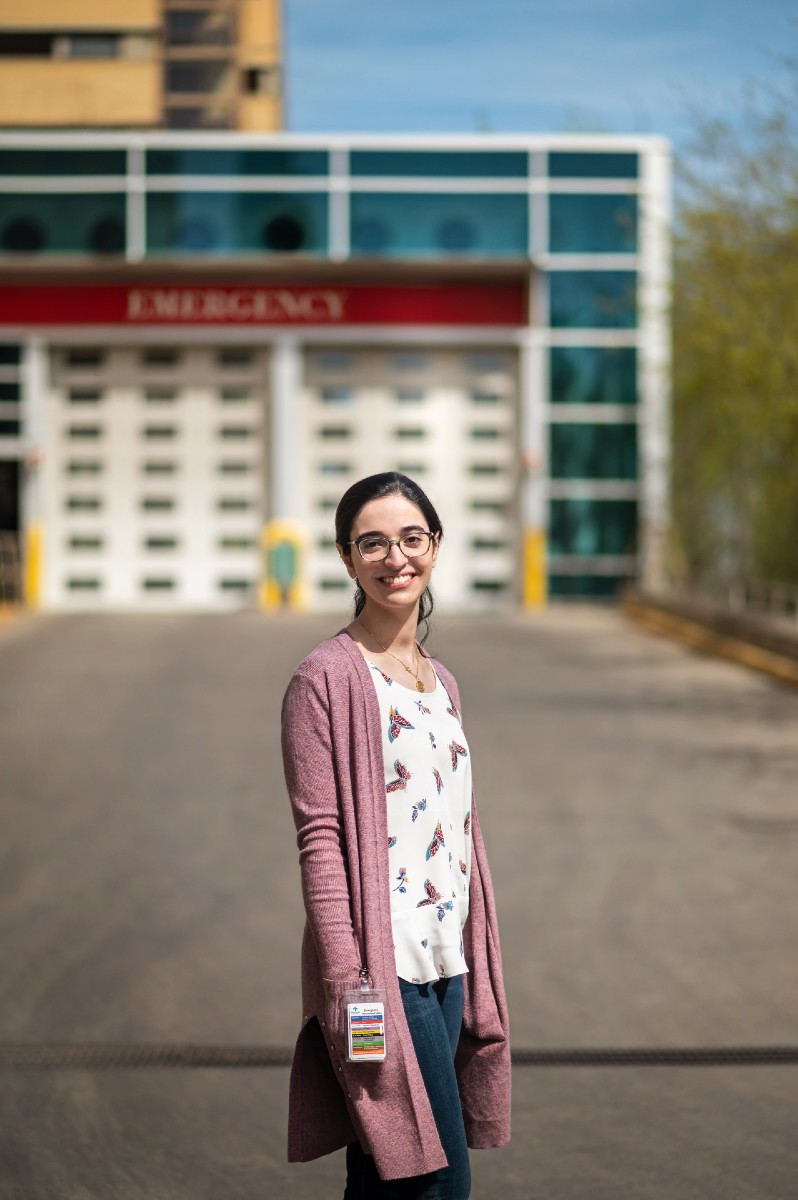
pixel 395 881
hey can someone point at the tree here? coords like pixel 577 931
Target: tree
pixel 735 326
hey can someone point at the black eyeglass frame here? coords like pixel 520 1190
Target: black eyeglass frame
pixel 431 534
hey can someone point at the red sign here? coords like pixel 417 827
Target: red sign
pixel 149 304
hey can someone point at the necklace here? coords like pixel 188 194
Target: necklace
pixel 419 682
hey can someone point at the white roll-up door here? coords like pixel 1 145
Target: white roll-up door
pixel 445 417
pixel 154 476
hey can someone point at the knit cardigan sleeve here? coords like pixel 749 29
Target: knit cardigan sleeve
pixel 310 777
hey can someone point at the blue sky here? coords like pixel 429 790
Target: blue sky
pixel 640 66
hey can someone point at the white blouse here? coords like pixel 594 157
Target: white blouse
pixel 428 793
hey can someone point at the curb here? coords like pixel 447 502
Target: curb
pixel 704 638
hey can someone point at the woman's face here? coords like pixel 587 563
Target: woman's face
pixel 397 583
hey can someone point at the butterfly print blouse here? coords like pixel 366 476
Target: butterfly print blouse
pixel 428 796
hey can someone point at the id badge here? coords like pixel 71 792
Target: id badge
pixel 365 1026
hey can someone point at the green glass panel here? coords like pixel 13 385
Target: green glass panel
pixel 593 375
pixel 595 224
pixel 62 224
pixel 593 451
pixel 10 353
pixel 587 586
pixel 459 164
pixel 592 527
pixel 196 161
pixel 431 226
pixel 63 162
pixel 592 164
pixel 219 223
pixel 593 299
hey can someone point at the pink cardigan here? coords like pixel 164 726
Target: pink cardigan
pixel 332 754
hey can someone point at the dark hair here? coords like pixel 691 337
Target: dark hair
pixel 374 487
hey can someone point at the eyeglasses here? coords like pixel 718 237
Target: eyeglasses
pixel 412 545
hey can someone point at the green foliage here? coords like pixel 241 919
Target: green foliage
pixel 735 327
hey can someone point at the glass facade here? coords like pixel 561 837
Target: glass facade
pixel 580 451
pixel 592 164
pixel 591 527
pixel 220 223
pixel 424 225
pixel 235 161
pixel 593 299
pixel 64 223
pixel 592 375
pixel 463 164
pixel 584 224
pixel 62 162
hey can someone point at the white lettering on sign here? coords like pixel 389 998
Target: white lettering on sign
pixel 263 305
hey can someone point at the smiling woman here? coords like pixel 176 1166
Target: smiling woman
pixel 397 891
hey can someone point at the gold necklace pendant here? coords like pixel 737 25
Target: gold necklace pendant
pixel 420 685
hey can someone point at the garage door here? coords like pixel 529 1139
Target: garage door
pixel 154 476
pixel 447 418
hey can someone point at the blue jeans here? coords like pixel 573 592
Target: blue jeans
pixel 434 1014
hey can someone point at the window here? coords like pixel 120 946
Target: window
pixel 83 583
pixel 409 360
pixel 235 504
pixel 484 468
pixel 594 586
pixel 593 527
pixel 488 585
pixel 337 395
pixel 9 428
pixel 592 165
pixel 334 468
pixel 235 358
pixel 10 353
pixel 485 396
pixel 331 432
pixel 593 375
pixel 84 396
pixel 156 433
pixel 84 542
pixel 84 432
pixel 197 161
pixel 409 395
pixel 236 432
pixel 160 543
pixel 58 222
pixel 236 222
pixel 462 164
pixel 160 357
pixel 498 508
pixel 597 224
pixel 84 466
pixel 485 433
pixel 326 504
pixel 429 225
pixel 325 543
pixel 407 433
pixel 482 361
pixel 236 543
pixel 9 392
pixel 333 360
pixel 232 467
pixel 159 467
pixel 488 543
pixel 158 504
pixel 85 358
pixel 236 585
pixel 580 451
pixel 158 584
pixel 62 162
pixel 333 585
pixel 593 299
pixel 160 395
pixel 262 81
pixel 235 396
pixel 411 468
